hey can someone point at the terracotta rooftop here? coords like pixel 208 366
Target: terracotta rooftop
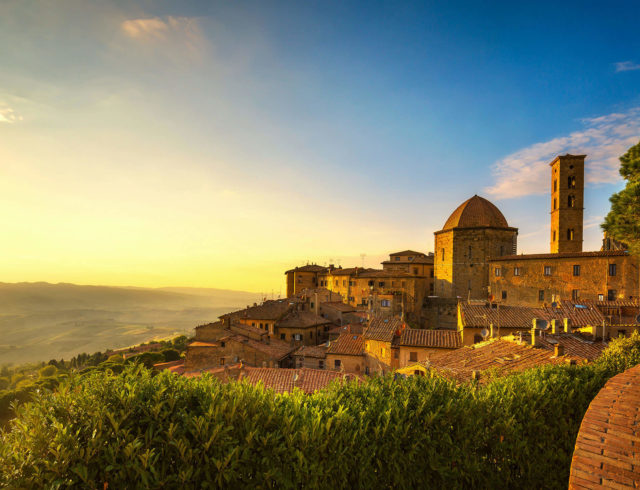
pixel 356 328
pixel 408 252
pixel 317 351
pixel 269 310
pixel 383 329
pixel 446 339
pixel 607 451
pixel 482 315
pixel 285 380
pixel 476 212
pixel 347 344
pixel 308 268
pixel 414 260
pixel 349 271
pixel 382 273
pixel 562 255
pixel 337 305
pixel 504 356
pixel 277 349
pixel 176 367
pixel 301 319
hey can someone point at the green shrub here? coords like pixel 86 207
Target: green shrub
pixel 115 359
pixel 147 359
pixel 48 371
pixel 4 383
pixel 170 355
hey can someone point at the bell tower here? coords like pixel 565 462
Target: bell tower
pixel 567 203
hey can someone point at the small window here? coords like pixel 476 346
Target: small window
pixel 504 295
pixel 501 250
pixel 283 337
pixel 222 361
pixel 575 294
pixel 383 351
pixel 541 295
pixel 443 254
pixel 555 185
pixel 572 182
pixel 222 344
pixel 337 363
pixel 571 201
pixel 380 284
pixel 385 303
pixel 576 270
pixel 397 259
pixel 554 235
pixel 413 356
pixel 253 324
pixel 569 233
pixel 497 271
pixel 396 353
pixel 310 335
pixel 611 294
pixel 371 283
pixel 321 364
pixel 430 275
pixel 415 271
pixel 601 297
pixel 344 282
pixel 612 269
pixel 547 270
pixel 516 271
pixel 555 203
pixel 470 254
pixel 262 326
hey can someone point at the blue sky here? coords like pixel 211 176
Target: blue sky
pixel 215 144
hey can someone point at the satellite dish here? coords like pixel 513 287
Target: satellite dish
pixel 554 305
pixel 542 324
pixel 485 332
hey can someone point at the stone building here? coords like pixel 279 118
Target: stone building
pixel 475 233
pixel 419 345
pixel 313 357
pixel 567 273
pixel 414 263
pixel 304 277
pixel 346 354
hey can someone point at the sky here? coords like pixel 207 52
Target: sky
pixel 217 144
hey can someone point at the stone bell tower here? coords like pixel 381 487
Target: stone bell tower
pixel 567 203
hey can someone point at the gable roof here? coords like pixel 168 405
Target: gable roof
pixel 286 380
pixel 308 268
pixel 338 306
pixel 383 329
pixel 269 310
pixel 347 344
pixel 276 349
pixel 301 319
pixel 407 252
pixel 446 339
pixel 317 351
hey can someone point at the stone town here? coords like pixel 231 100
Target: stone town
pixel 471 305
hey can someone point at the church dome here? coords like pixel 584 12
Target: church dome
pixel 476 212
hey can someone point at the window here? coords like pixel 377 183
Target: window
pixel 555 185
pixel 371 283
pixel 611 294
pixel 516 271
pixel 351 283
pixel 443 254
pixel 569 233
pixel 222 361
pixel 501 250
pixel 572 182
pixel 385 303
pixel 413 356
pixel 310 335
pixel 253 324
pixel 555 203
pixel 601 297
pixel 554 235
pixel 612 269
pixel 430 274
pixel 571 201
pixel 337 363
pixel 321 364
pixel 397 259
pixel 336 283
pixel 576 270
pixel 547 270
pixel 296 336
pixel 282 337
pixel 383 351
pixel 497 271
pixel 470 254
pixel 222 344
pixel 477 338
pixel 396 353
pixel 541 295
pixel 380 284
pixel 504 295
pixel 344 282
pixel 415 271
pixel 262 326
pixel 575 294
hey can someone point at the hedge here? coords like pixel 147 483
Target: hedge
pixel 167 431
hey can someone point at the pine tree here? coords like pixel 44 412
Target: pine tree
pixel 623 221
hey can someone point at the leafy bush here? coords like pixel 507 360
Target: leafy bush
pixel 115 359
pixel 147 359
pixel 170 355
pixel 169 431
pixel 48 371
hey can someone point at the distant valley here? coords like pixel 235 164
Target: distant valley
pixel 41 321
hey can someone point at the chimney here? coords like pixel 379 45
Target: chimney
pixel 491 331
pixel 558 350
pixel 554 326
pixel 567 325
pixel 533 332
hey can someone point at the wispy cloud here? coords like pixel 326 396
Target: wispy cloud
pixel 626 66
pixel 179 32
pixel 8 115
pixel 604 139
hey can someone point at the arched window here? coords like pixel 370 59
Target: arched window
pixel 570 234
pixel 571 201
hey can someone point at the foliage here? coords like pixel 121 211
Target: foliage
pixel 116 359
pixel 170 355
pixel 623 220
pixel 48 371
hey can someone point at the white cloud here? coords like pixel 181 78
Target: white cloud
pixel 604 139
pixel 181 32
pixel 8 115
pixel 626 66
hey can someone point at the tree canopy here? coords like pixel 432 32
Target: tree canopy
pixel 623 221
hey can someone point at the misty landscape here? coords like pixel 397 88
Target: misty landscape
pixel 42 321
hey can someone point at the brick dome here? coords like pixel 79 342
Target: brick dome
pixel 476 212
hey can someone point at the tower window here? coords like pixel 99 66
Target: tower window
pixel 571 201
pixel 576 270
pixel 554 235
pixel 470 254
pixel 504 295
pixel 555 203
pixel 572 182
pixel 443 254
pixel 501 250
pixel 555 185
pixel 570 234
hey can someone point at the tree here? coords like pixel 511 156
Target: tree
pixel 623 221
